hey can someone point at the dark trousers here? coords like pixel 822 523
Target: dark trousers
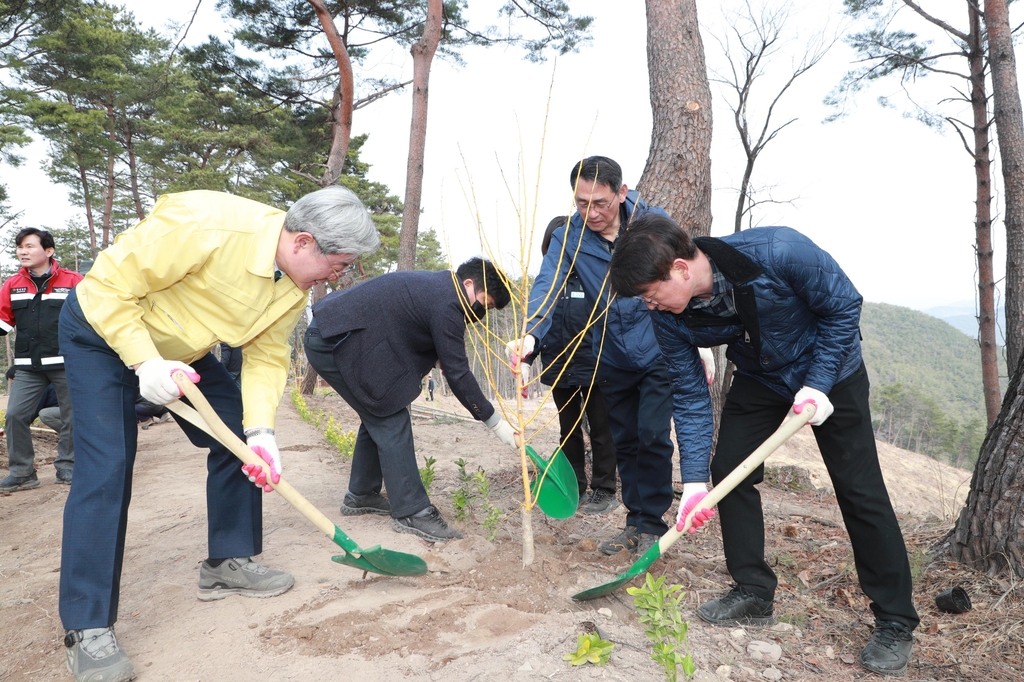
pixel 570 403
pixel 27 389
pixel 103 390
pixel 384 453
pixel 752 412
pixel 640 415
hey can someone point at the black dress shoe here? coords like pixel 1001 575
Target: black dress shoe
pixel 739 607
pixel 428 524
pixel 888 650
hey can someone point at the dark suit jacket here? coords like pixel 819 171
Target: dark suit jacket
pixel 399 325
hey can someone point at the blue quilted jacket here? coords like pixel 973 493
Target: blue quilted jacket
pixel 629 341
pixel 797 324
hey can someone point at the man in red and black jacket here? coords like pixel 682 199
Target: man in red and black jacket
pixel 30 302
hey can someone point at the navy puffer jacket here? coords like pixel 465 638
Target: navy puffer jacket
pixel 629 341
pixel 568 319
pixel 797 324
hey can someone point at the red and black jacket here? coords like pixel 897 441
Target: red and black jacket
pixel 35 314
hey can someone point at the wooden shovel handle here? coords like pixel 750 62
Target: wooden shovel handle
pixel 219 430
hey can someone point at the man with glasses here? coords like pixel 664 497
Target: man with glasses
pixel 791 319
pixel 202 268
pixel 30 302
pixel 632 374
pixel 373 344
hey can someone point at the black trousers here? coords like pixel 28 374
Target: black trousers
pixel 752 412
pixel 639 406
pixel 384 453
pixel 570 403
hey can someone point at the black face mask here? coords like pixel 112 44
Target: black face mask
pixel 476 312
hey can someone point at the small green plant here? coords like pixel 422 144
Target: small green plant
pixel 474 490
pixel 300 405
pixel 591 649
pixel 427 473
pixel 344 441
pixel 318 419
pixel 657 608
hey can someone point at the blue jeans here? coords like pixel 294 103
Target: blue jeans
pixel 103 391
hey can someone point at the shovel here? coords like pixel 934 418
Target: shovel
pixel 737 475
pixel 374 559
pixel 559 493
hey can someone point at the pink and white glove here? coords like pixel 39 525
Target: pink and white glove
pixel 517 349
pixel 708 357
pixel 155 382
pixel 693 493
pixel 822 405
pixel 263 442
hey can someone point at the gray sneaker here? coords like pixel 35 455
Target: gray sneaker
pixel 13 483
pixel 94 656
pixel 601 502
pixel 64 476
pixel 241 576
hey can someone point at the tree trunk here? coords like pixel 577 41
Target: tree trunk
pixel 677 176
pixel 133 170
pixel 1010 130
pixel 983 222
pixel 989 535
pixel 309 378
pixel 342 106
pixel 422 56
pixel 108 203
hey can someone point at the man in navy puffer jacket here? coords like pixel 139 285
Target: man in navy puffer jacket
pixel 791 320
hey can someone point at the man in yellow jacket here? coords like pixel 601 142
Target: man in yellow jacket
pixel 202 268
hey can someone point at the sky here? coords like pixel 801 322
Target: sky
pixel 890 199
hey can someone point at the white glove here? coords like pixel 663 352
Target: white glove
pixel 263 442
pixel 517 349
pixel 693 493
pixel 155 382
pixel 822 405
pixel 505 433
pixel 524 370
pixel 708 357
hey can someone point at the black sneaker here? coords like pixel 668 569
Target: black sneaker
pixel 371 503
pixel 13 483
pixel 888 650
pixel 601 502
pixel 428 524
pixel 64 476
pixel 646 541
pixel 627 539
pixel 739 607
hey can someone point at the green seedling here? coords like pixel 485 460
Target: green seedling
pixel 344 441
pixel 474 491
pixel 658 610
pixel 591 649
pixel 300 405
pixel 427 473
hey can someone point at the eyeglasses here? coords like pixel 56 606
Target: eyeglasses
pixel 652 299
pixel 582 205
pixel 346 267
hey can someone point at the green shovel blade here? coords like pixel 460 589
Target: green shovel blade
pixel 559 494
pixel 638 568
pixel 376 559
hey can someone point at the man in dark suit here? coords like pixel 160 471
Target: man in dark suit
pixel 373 344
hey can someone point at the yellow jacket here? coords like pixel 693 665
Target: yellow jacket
pixel 197 271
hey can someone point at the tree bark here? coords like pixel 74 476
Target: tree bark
pixel 342 106
pixel 677 176
pixel 983 217
pixel 1010 130
pixel 422 56
pixel 989 535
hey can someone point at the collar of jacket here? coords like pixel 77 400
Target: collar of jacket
pixel 594 244
pixel 259 260
pixel 740 271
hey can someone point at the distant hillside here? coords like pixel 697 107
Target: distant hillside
pixel 964 317
pixel 925 376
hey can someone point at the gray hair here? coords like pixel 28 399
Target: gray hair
pixel 337 220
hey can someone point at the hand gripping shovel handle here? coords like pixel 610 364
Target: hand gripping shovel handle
pixel 206 419
pixel 741 472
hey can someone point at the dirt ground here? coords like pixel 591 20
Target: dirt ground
pixel 479 615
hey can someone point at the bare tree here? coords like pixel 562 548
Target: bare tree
pixel 1010 129
pixel 888 49
pixel 754 39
